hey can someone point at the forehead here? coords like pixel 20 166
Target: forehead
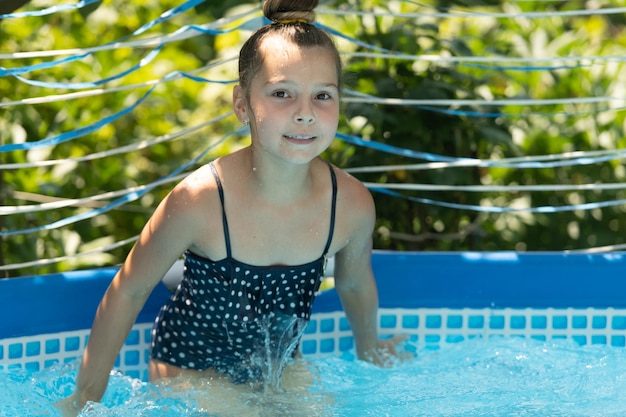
pixel 284 59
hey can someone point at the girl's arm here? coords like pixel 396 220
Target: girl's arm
pixel 164 238
pixel 354 279
pixel 356 285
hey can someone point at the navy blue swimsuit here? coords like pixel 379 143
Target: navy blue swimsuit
pixel 228 316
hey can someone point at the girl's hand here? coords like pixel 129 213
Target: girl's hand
pixel 68 407
pixel 386 354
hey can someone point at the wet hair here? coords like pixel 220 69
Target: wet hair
pixel 292 20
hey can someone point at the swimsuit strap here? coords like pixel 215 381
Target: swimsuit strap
pixel 224 220
pixel 220 189
pixel 333 178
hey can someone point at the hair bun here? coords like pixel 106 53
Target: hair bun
pixel 290 11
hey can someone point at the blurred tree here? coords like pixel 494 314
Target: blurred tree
pixel 407 223
pixel 173 106
pixel 404 224
pixel 463 132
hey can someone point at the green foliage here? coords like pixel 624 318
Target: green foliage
pixel 402 224
pixel 535 130
pixel 174 105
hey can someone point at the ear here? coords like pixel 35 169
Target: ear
pixel 240 104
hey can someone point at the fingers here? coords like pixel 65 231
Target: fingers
pixel 388 353
pixel 391 343
pixel 397 339
pixel 67 407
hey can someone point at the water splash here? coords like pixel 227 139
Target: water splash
pixel 278 349
pixel 495 377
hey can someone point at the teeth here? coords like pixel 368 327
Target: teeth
pixel 299 137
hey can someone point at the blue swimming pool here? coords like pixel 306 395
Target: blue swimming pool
pixel 436 298
pixel 490 334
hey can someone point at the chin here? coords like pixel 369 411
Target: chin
pixel 300 158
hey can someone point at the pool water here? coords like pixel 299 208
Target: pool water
pixel 499 377
pixel 494 377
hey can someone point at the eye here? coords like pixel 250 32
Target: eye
pixel 281 94
pixel 323 96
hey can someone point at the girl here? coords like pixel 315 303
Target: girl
pixel 255 226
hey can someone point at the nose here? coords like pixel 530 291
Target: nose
pixel 304 114
pixel 305 118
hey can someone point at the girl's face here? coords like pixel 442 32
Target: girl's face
pixel 293 102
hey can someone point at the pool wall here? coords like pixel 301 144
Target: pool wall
pixel 436 298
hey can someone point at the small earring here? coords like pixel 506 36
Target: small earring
pixel 246 122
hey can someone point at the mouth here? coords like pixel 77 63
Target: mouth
pixel 300 138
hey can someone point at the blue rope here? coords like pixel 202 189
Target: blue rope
pixel 475 113
pixel 170 13
pixel 488 209
pixel 4 72
pixel 49 10
pixel 523 68
pixel 495 115
pixel 127 198
pixel 77 86
pixel 383 147
pixel 76 133
pixel 390 149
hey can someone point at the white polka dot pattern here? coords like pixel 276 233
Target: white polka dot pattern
pixel 222 312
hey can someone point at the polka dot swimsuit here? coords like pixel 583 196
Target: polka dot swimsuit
pixel 223 313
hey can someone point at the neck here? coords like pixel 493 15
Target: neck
pixel 276 179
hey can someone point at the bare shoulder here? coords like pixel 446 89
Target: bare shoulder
pixel 177 224
pixel 197 182
pixel 195 187
pixel 192 198
pixel 354 199
pixel 356 216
